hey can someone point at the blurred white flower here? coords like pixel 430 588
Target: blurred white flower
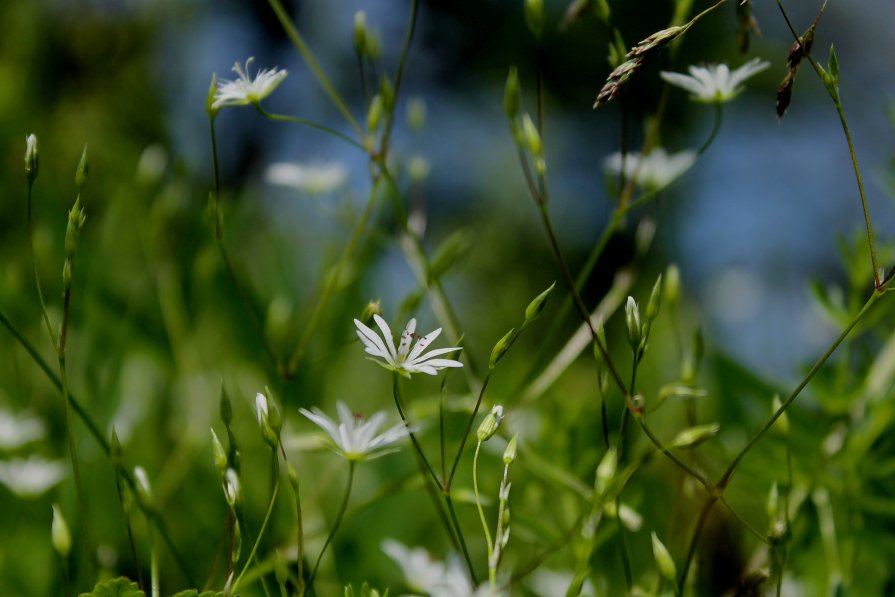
pixel 18 430
pixel 354 437
pixel 32 477
pixel 715 83
pixel 314 179
pixel 436 579
pixel 546 582
pixel 404 360
pixel 653 171
pixel 245 90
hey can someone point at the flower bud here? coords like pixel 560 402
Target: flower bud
pixel 60 534
pixel 360 32
pixel 144 490
pixel 226 407
pixel 32 161
pixel 509 454
pixel 232 489
pixel 220 454
pixel 372 308
pixel 663 560
pixel 82 171
pixel 632 323
pixel 655 300
pixel 536 307
pixel 374 115
pixel 781 425
pixel 269 420
pixel 532 137
pixel 606 471
pixel 773 505
pixel 76 219
pixel 66 274
pixel 534 17
pixel 210 108
pixel 693 436
pixel 512 97
pixel 601 8
pixel 490 424
pixel 115 450
pixel 672 290
pixel 502 346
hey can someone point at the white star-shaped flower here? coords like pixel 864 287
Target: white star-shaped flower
pixel 435 578
pixel 245 90
pixel 404 360
pixel 655 170
pixel 715 83
pixel 354 437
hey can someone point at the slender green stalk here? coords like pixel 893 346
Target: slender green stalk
pixel 478 499
pixel 309 58
pixel 332 283
pixel 300 531
pixel 659 446
pixel 466 433
pixel 66 581
pixel 275 471
pixel 460 539
pixel 228 266
pixel 396 393
pixel 40 294
pixel 336 524
pixel 310 124
pixel 153 567
pixel 399 76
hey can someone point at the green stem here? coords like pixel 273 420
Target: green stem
pixel 478 499
pixel 332 283
pixel 659 446
pixel 300 532
pixel 466 433
pixel 275 470
pixel 399 76
pixel 310 124
pixel 396 393
pixel 460 539
pixel 153 567
pixel 40 294
pixel 697 531
pixel 308 56
pixel 338 521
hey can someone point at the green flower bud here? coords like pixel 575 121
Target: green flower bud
pixel 66 274
pixel 532 137
pixel 232 489
pixel 536 307
pixel 601 7
pixel 632 323
pixel 372 308
pixel 115 450
pixel 693 436
pixel 374 45
pixel 32 161
pixel 773 505
pixel 374 115
pixel 509 454
pixel 606 471
pixel 781 425
pixel 360 32
pixel 82 171
pixel 655 300
pixel 60 534
pixel 144 490
pixel 490 424
pixel 512 97
pixel 220 454
pixel 210 109
pixel 268 419
pixel 672 289
pixel 387 90
pixel 76 219
pixel 534 17
pixel 502 346
pixel 226 407
pixel 663 560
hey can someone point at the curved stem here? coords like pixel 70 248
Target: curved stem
pixel 469 423
pixel 40 294
pixel 338 521
pixel 310 124
pixel 275 471
pixel 309 58
pixel 396 393
pixel 460 539
pixel 478 499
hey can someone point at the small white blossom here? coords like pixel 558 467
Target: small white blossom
pixel 436 579
pixel 655 170
pixel 18 430
pixel 404 360
pixel 715 83
pixel 245 90
pixel 354 437
pixel 314 179
pixel 32 477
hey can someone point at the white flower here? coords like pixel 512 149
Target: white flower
pixel 314 179
pixel 436 579
pixel 244 90
pixel 354 437
pixel 404 360
pixel 16 431
pixel 32 477
pixel 715 82
pixel 653 171
pixel 546 582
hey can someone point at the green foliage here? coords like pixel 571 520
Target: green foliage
pixel 117 587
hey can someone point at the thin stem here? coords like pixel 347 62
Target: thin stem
pixel 697 531
pixel 275 471
pixel 396 393
pixel 626 559
pixel 659 446
pixel 40 294
pixel 153 567
pixel 399 76
pixel 332 283
pixel 309 58
pixel 478 499
pixel 228 266
pixel 338 521
pixel 300 532
pixel 310 124
pixel 466 433
pixel 462 541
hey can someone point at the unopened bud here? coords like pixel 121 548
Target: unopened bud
pixel 672 290
pixel 773 505
pixel 32 158
pixel 60 534
pixel 268 415
pixel 66 274
pixel 76 219
pixel 374 115
pixel 360 32
pixel 534 17
pixel 663 560
pixel 509 454
pixel 144 489
pixel 500 349
pixel 210 108
pixel 232 489
pixel 512 97
pixel 601 8
pixel 82 171
pixel 655 300
pixel 226 407
pixel 220 454
pixel 490 424
pixel 606 471
pixel 781 425
pixel 693 436
pixel 536 306
pixel 372 308
pixel 632 323
pixel 532 137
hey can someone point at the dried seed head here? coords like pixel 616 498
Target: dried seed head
pixel 801 48
pixel 746 24
pixel 617 80
pixel 784 94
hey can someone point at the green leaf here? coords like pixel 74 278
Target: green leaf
pixel 117 587
pixel 195 593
